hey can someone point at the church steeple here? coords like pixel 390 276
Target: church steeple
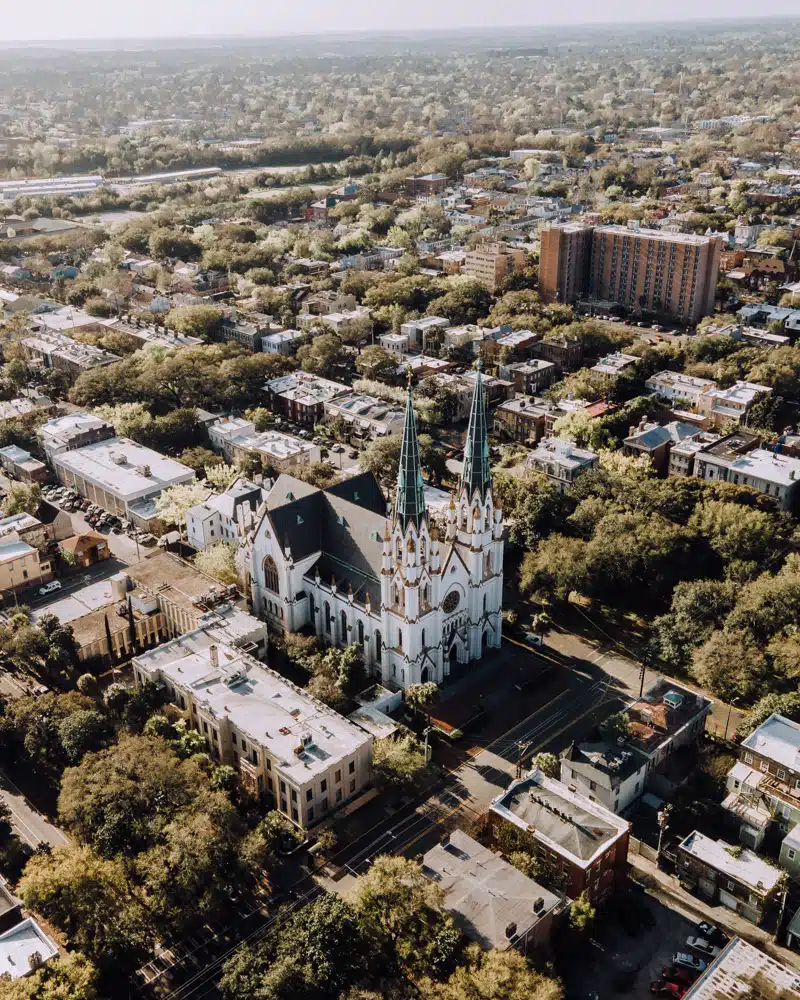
pixel 477 474
pixel 409 504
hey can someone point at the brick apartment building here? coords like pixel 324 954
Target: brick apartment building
pixel 582 845
pixel 427 184
pixel 492 263
pixel 641 269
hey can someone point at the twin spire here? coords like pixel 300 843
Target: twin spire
pixel 410 499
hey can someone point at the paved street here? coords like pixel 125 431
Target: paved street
pixel 29 824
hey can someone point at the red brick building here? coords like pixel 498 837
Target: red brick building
pixel 583 847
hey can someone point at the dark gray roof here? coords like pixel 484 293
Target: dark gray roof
pixel 348 532
pixel 606 763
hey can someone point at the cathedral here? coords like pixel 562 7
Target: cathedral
pixel 417 596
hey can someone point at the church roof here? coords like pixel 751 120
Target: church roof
pixel 345 523
pixel 477 473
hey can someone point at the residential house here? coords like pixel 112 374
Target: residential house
pixel 734 459
pixel 733 876
pixel 679 388
pixel 20 464
pixel 683 453
pixel 216 519
pixel 73 430
pixel 561 461
pixel 24 949
pixel 743 970
pixel 582 846
pixel 520 343
pixel 280 342
pixel 666 719
pixel 22 566
pixel 238 439
pixel 366 417
pixel 426 184
pixel 764 788
pixel 529 377
pixel 305 759
pixel 733 403
pixel 57 522
pixel 86 549
pixel 326 302
pixel 491 901
pixel 656 442
pixel 28 401
pixel 522 418
pixel 614 364
pixel 337 322
pixel 25 527
pixel 55 350
pixel 565 352
pixel 301 396
pixel 605 772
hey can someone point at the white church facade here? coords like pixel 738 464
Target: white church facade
pixel 417 597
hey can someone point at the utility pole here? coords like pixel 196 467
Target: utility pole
pixel 522 749
pixel 642 673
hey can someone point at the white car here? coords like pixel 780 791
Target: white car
pixel 687 961
pixel 48 588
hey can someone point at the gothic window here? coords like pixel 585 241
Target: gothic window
pixel 399 550
pixel 399 638
pixel 378 645
pixel 426 594
pixel 271 579
pixel 422 552
pixel 360 631
pixel 343 618
pixel 484 603
pixel 423 638
pixel 327 617
pixel 487 564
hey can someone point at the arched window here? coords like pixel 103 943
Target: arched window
pixel 487 564
pixel 399 638
pixel 484 603
pixel 378 646
pixel 360 631
pixel 343 619
pixel 327 617
pixel 398 550
pixel 422 549
pixel 423 638
pixel 426 594
pixel 271 578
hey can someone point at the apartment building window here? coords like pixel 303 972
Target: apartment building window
pixel 309 794
pixel 268 762
pixel 283 805
pixel 295 817
pixel 283 787
pixel 338 795
pixel 310 815
pixel 764 765
pixel 790 854
pixel 294 795
pixel 781 773
pixel 731 886
pixel 352 786
pixel 205 727
pixel 351 767
pixel 323 787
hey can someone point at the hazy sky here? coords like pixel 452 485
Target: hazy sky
pixel 54 19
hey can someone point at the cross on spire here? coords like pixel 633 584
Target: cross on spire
pixel 410 501
pixel 477 474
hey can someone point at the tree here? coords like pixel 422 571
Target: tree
pixel 98 306
pixel 173 503
pixel 422 696
pixel 581 913
pixel 466 302
pixel 72 977
pixel 738 533
pixel 731 665
pixel 492 975
pixel 328 936
pixel 82 732
pixel 164 243
pixel 527 863
pixel 319 474
pixel 375 362
pixel 22 499
pixel 399 761
pixel 615 725
pixel 547 763
pixel 222 475
pixel 200 458
pixel 195 321
pixel 89 899
pixel 219 561
pixel 324 356
pixel 400 911
pixel 787 705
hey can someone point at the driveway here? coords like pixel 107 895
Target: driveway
pixel 125 549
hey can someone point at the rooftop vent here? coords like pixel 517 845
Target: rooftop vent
pixel 673 699
pixel 538 904
pixel 511 930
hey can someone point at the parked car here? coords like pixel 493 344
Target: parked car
pixel 663 987
pixel 48 588
pixel 677 974
pixel 711 933
pixel 687 961
pixel 533 640
pixel 702 947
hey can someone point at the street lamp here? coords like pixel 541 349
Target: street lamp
pixel 727 721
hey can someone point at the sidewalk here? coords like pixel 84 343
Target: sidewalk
pixel 665 888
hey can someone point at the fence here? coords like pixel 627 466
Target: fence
pixel 643 850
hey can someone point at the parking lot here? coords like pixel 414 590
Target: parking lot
pixel 632 946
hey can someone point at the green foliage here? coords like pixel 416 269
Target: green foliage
pixel 72 977
pixel 22 499
pixel 399 761
pixel 547 763
pixel 324 356
pixel 581 914
pixel 195 321
pixel 376 363
pixel 787 705
pixel 616 725
pixel 219 561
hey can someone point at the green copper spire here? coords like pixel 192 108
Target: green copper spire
pixel 410 501
pixel 477 474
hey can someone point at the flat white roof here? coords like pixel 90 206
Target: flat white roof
pixel 778 738
pixel 742 970
pixel 69 425
pixel 766 465
pixel 19 944
pixel 260 704
pixel 747 867
pixel 124 468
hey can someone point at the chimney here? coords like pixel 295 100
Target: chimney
pixel 631 431
pixel 511 930
pixel 538 904
pixel 213 652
